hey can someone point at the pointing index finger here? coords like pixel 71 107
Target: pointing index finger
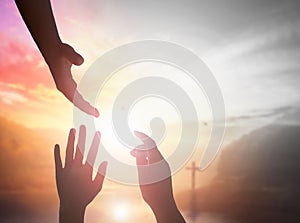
pixel 84 105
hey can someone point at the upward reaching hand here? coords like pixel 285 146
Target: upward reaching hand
pixel 75 186
pixel 158 194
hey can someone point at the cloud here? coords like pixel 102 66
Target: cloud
pixel 27 186
pixel 259 60
pixel 269 115
pixel 21 65
pixel 10 97
pixel 258 176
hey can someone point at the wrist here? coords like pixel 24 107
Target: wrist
pixel 167 212
pixel 71 214
pixel 164 208
pixel 53 52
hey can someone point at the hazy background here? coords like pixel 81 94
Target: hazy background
pixel 252 47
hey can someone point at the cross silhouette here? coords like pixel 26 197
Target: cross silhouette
pixel 193 168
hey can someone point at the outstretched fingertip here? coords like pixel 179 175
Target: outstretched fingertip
pixel 140 135
pixel 56 150
pixel 105 164
pixel 72 131
pixel 96 113
pixel 98 134
pixel 57 159
pixel 137 133
pixel 78 59
pixel 84 105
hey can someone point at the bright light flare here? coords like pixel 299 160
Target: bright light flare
pixel 120 212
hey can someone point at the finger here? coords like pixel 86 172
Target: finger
pixel 145 139
pixel 74 57
pixel 153 154
pixel 142 136
pixel 93 150
pixel 140 156
pixel 70 148
pixel 80 145
pixel 98 182
pixel 69 89
pixel 57 159
pixel 84 105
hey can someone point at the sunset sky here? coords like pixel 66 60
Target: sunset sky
pixel 252 48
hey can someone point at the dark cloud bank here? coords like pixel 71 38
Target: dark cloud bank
pixel 258 177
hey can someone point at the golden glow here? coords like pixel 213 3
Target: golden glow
pixel 121 212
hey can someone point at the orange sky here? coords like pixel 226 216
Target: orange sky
pixel 26 88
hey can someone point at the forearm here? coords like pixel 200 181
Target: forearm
pixel 70 215
pixel 39 20
pixel 168 213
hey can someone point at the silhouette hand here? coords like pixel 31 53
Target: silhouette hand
pixel 75 186
pixel 60 63
pixel 39 19
pixel 158 195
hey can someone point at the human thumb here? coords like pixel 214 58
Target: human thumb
pixel 74 57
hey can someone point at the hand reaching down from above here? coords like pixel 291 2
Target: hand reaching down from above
pixel 60 63
pixel 60 57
